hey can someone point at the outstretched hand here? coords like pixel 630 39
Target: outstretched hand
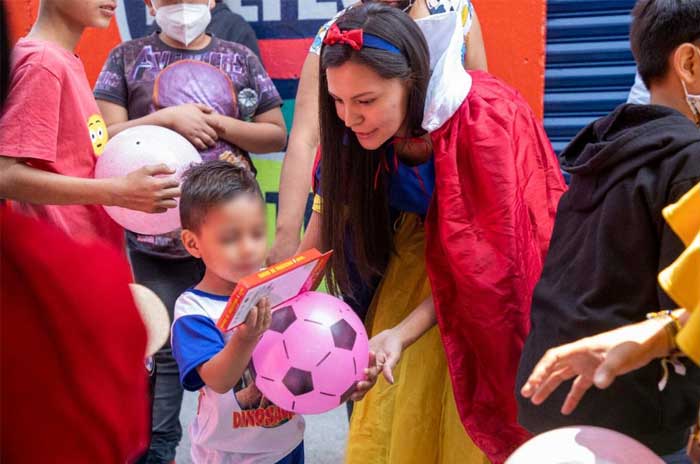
pixel 596 360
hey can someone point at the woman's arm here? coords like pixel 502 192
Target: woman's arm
pixel 312 235
pixel 476 52
pixel 386 347
pixel 295 180
pixel 388 344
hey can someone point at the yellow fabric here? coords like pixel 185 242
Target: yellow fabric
pixel 681 280
pixel 414 421
pixel 316 207
pixel 689 338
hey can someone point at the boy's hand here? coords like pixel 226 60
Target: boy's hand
pixel 194 122
pixel 141 190
pixel 257 322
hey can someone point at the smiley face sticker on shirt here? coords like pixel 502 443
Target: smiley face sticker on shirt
pixel 98 133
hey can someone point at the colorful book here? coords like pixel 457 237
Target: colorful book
pixel 279 283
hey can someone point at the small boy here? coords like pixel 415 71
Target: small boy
pixel 610 240
pixel 51 132
pixel 223 220
pixel 217 95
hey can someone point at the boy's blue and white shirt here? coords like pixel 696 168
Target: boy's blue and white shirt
pixel 241 425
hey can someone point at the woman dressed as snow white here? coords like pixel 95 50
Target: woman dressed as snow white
pixel 451 204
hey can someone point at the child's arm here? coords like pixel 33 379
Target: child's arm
pixel 139 190
pixel 193 121
pixel 267 133
pixel 223 371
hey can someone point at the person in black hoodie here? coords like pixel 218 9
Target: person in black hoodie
pixel 610 240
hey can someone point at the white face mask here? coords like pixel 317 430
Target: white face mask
pixel 693 100
pixel 183 22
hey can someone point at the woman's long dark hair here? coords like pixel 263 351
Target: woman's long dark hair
pixel 355 218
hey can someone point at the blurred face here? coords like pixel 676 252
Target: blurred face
pixel 372 107
pixel 87 13
pixel 232 241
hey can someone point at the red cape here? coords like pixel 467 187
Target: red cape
pixel 73 385
pixel 488 230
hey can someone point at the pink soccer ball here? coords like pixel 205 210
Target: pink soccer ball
pixel 313 355
pixel 135 148
pixel 583 445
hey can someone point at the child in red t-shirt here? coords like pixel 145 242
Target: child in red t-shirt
pixel 51 132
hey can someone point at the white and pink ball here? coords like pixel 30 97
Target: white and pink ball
pixel 135 148
pixel 583 445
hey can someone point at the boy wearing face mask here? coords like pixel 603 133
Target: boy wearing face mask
pixel 230 26
pixel 610 239
pixel 217 95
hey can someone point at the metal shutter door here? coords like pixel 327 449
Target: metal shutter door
pixel 590 68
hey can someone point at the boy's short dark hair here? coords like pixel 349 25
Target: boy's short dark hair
pixel 658 28
pixel 209 184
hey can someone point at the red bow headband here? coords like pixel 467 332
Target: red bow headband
pixel 356 39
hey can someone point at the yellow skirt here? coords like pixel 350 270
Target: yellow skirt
pixel 415 420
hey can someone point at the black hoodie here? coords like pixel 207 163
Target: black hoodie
pixel 608 245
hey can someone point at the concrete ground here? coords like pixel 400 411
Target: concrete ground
pixel 324 441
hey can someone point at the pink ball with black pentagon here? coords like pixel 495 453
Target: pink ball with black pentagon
pixel 313 355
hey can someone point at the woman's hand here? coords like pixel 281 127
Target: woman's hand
pixel 387 347
pixel 596 360
pixel 385 352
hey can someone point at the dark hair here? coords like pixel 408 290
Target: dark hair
pixel 658 28
pixel 400 4
pixel 209 184
pixel 353 205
